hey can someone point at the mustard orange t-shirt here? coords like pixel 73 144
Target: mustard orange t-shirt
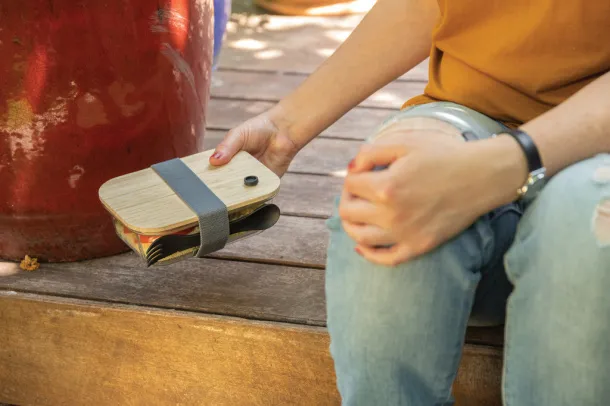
pixel 515 59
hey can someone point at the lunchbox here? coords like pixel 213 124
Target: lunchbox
pixel 186 207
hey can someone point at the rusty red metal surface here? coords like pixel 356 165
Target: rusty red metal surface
pixel 90 90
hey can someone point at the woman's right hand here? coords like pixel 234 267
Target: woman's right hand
pixel 263 137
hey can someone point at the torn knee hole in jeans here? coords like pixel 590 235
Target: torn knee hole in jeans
pixel 601 175
pixel 601 222
pixel 601 215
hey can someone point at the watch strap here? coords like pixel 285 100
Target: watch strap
pixel 529 148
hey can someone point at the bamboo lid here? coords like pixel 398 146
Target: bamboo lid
pixel 144 203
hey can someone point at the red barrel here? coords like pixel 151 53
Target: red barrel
pixel 90 90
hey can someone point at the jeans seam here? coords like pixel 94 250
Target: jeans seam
pixel 459 346
pixel 506 393
pixel 492 217
pixel 487 238
pixel 506 398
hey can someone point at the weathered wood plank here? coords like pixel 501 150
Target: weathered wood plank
pixel 308 195
pixel 212 137
pixel 241 289
pixel 248 290
pixel 325 157
pixel 290 44
pixel 271 86
pixel 60 351
pixel 359 123
pixel 147 356
pixel 479 378
pixel 322 156
pixel 297 241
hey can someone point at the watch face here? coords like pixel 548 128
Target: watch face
pixel 535 184
pixel 535 188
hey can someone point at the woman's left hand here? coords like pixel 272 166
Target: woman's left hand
pixel 434 187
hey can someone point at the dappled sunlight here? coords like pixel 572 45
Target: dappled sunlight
pixel 338 35
pixel 282 43
pixel 326 52
pixel 256 108
pixel 324 8
pixel 247 44
pixel 269 54
pixel 387 97
pixel 283 23
pixel 295 44
pixel 278 52
pixel 8 268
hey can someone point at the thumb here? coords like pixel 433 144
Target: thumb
pixel 232 143
pixel 375 157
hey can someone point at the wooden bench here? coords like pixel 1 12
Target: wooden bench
pixel 207 332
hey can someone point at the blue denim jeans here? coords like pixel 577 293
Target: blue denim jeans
pixel 397 332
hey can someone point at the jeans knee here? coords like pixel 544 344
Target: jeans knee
pixel 570 217
pixel 396 332
pixel 562 246
pixel 368 303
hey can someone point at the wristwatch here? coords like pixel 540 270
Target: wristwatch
pixel 537 172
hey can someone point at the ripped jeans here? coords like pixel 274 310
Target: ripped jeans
pixel 397 332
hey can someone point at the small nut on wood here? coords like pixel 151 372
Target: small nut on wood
pixel 29 264
pixel 251 180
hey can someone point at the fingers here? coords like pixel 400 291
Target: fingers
pixel 233 142
pixel 368 176
pixel 391 256
pixel 368 235
pixel 363 221
pixel 372 156
pixel 357 210
pixel 372 186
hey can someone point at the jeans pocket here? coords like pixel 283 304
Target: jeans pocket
pixel 509 209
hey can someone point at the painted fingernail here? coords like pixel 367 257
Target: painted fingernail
pixel 351 164
pixel 358 250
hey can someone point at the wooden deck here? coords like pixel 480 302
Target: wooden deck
pixel 243 327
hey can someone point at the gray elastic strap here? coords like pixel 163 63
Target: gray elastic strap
pixel 210 210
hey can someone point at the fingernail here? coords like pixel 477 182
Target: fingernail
pixel 358 250
pixel 351 164
pixel 216 155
